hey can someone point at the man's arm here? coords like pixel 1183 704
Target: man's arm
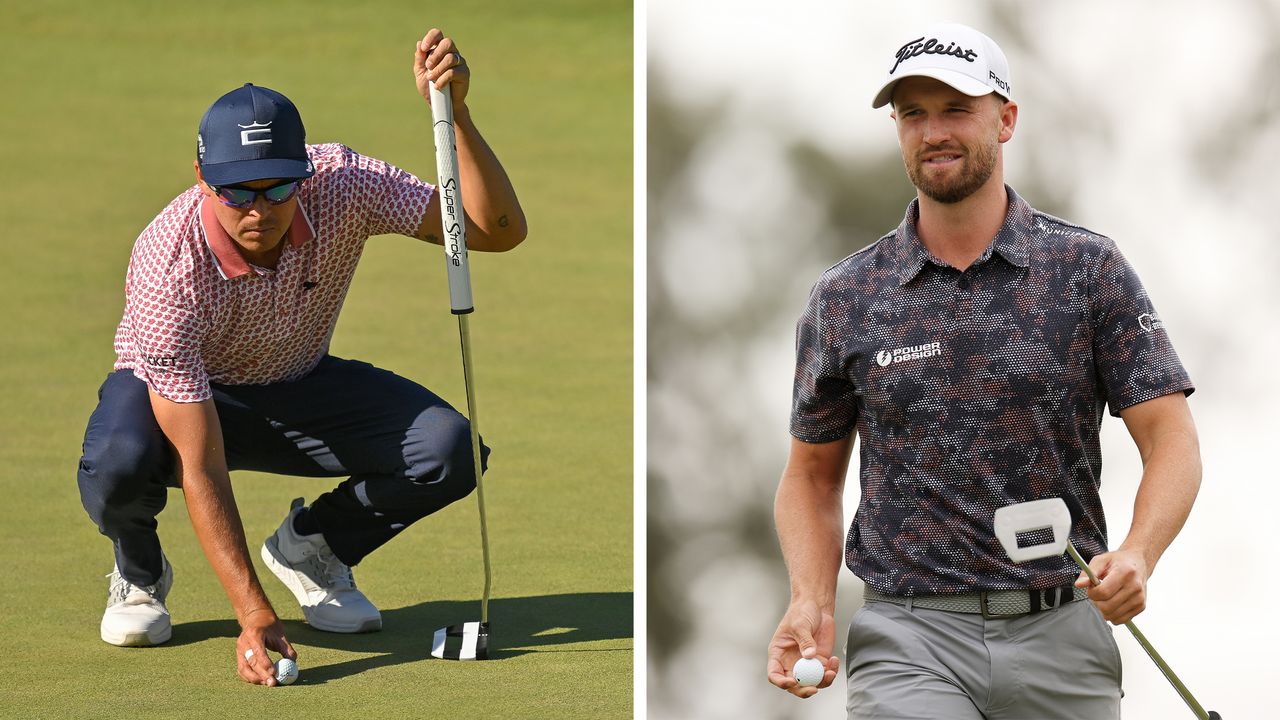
pixel 1165 434
pixel 196 436
pixel 809 514
pixel 495 220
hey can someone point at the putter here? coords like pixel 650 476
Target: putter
pixel 473 636
pixel 1019 526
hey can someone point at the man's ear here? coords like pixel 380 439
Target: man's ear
pixel 204 187
pixel 1008 120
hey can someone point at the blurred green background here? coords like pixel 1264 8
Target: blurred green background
pixel 97 135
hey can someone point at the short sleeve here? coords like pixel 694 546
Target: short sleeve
pixel 393 201
pixel 166 339
pixel 1135 359
pixel 824 400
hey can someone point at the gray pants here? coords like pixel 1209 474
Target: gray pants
pixel 921 664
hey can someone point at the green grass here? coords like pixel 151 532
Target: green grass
pixel 102 102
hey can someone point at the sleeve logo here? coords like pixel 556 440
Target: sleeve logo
pixel 1150 322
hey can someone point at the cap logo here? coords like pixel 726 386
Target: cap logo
pixel 932 46
pixel 991 75
pixel 256 134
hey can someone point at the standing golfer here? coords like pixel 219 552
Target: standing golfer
pixel 222 364
pixel 974 350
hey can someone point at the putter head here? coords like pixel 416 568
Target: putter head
pixel 1023 528
pixel 470 641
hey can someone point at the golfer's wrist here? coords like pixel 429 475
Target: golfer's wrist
pixel 461 115
pixel 825 601
pixel 257 615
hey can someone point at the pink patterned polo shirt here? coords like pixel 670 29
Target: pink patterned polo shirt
pixel 196 312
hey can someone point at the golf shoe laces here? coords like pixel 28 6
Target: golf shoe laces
pixel 123 591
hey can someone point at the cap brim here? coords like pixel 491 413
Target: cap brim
pixel 959 81
pixel 242 171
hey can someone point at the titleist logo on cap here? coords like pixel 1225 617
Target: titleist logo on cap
pixel 932 46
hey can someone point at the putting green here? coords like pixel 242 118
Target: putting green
pixel 98 134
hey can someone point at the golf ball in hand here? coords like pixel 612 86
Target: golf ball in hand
pixel 808 671
pixel 286 671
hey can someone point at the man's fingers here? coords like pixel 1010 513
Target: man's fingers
pixel 430 40
pixel 1127 613
pixel 1103 592
pixel 829 675
pixel 1124 609
pixel 782 680
pixel 808 648
pixel 440 54
pixel 265 668
pixel 776 669
pixel 258 668
pixel 281 645
pixel 441 81
pixel 788 683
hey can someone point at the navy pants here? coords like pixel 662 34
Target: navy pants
pixel 406 451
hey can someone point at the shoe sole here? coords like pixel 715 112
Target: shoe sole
pixel 156 636
pixel 276 563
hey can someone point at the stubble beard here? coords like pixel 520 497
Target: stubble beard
pixel 978 165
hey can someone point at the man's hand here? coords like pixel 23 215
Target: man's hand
pixel 1121 592
pixel 805 631
pixel 261 630
pixel 436 60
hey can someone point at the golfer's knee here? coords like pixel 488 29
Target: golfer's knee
pixel 442 459
pixel 116 471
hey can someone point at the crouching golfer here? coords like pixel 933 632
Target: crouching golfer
pixel 974 350
pixel 222 364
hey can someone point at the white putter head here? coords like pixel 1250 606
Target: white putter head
pixel 1037 515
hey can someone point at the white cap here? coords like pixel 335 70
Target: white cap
pixel 957 55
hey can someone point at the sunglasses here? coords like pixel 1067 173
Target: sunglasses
pixel 240 197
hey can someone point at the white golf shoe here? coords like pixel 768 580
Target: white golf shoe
pixel 136 615
pixel 323 584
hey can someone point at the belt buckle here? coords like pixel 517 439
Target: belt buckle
pixel 986 611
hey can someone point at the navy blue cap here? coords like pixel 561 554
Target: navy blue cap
pixel 252 133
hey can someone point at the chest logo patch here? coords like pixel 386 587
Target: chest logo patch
pixel 885 358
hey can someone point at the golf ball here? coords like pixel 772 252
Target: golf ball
pixel 286 671
pixel 808 671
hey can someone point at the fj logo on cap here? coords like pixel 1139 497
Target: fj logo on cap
pixel 932 46
pixel 256 134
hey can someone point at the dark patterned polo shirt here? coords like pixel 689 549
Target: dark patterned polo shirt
pixel 974 390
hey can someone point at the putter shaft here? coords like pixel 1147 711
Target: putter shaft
pixel 1187 697
pixel 464 334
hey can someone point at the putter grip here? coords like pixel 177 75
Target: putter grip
pixel 450 195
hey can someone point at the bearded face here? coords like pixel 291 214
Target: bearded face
pixel 950 141
pixel 954 171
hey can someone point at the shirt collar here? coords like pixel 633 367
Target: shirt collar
pixel 226 254
pixel 1011 242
